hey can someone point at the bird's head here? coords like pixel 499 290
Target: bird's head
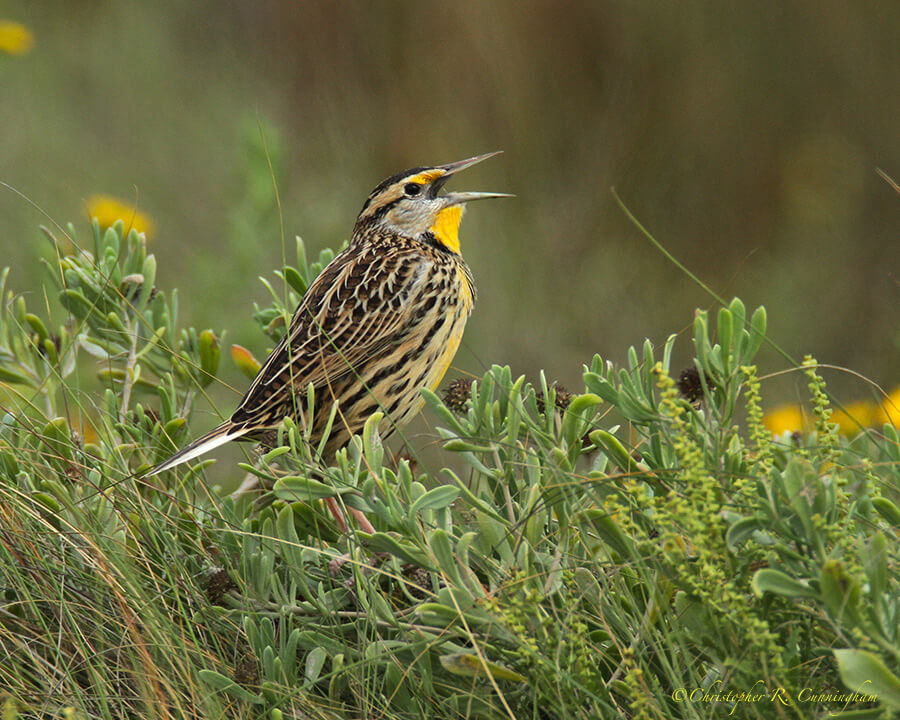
pixel 410 204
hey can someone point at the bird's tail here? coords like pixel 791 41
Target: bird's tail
pixel 224 433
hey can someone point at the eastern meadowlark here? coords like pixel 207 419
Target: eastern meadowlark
pixel 383 319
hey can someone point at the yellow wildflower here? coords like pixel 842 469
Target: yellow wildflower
pixel 785 418
pixel 855 414
pixel 889 409
pixel 15 38
pixel 108 210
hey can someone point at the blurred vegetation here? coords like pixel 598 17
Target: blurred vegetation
pixel 745 136
pixel 622 550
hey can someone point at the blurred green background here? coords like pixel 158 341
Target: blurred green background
pixel 745 136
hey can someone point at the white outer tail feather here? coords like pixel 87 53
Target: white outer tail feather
pixel 202 445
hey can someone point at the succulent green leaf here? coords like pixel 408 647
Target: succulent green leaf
pixel 382 542
pixel 295 280
pixel 599 385
pixel 578 414
pixel 208 345
pixel 37 325
pixel 701 338
pixel 174 429
pixel 47 500
pixel 887 509
pixel 437 406
pixel 614 450
pixel 295 487
pixel 875 562
pixel 840 591
pixel 76 303
pixel 725 333
pixel 462 446
pixel 149 272
pixel 229 687
pixel 609 531
pixel 441 545
pixel 865 673
pixel 739 531
pixel 315 660
pixel 757 334
pixel 779 583
pixel 115 322
pixel 470 665
pixel 372 441
pixel 439 497
pixel 473 499
pixel 431 613
pixel 14 376
pixel 59 437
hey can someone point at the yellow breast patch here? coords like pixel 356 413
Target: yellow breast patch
pixel 446 227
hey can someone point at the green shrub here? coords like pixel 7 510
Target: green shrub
pixel 679 564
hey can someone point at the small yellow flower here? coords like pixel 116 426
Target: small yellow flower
pixel 785 418
pixel 889 409
pixel 15 38
pixel 855 414
pixel 108 210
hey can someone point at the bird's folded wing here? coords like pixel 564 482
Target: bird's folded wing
pixel 353 311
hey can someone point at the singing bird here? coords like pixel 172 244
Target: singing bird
pixel 382 321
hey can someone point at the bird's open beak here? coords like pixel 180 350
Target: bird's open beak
pixel 455 167
pixel 459 198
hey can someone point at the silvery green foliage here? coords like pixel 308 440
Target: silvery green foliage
pixel 562 558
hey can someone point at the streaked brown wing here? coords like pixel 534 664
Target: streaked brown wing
pixel 356 307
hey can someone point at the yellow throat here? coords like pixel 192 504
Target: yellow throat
pixel 446 227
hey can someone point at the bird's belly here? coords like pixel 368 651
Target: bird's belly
pixel 427 371
pixel 444 355
pixel 439 353
pixel 398 394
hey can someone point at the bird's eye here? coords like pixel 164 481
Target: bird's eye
pixel 412 189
